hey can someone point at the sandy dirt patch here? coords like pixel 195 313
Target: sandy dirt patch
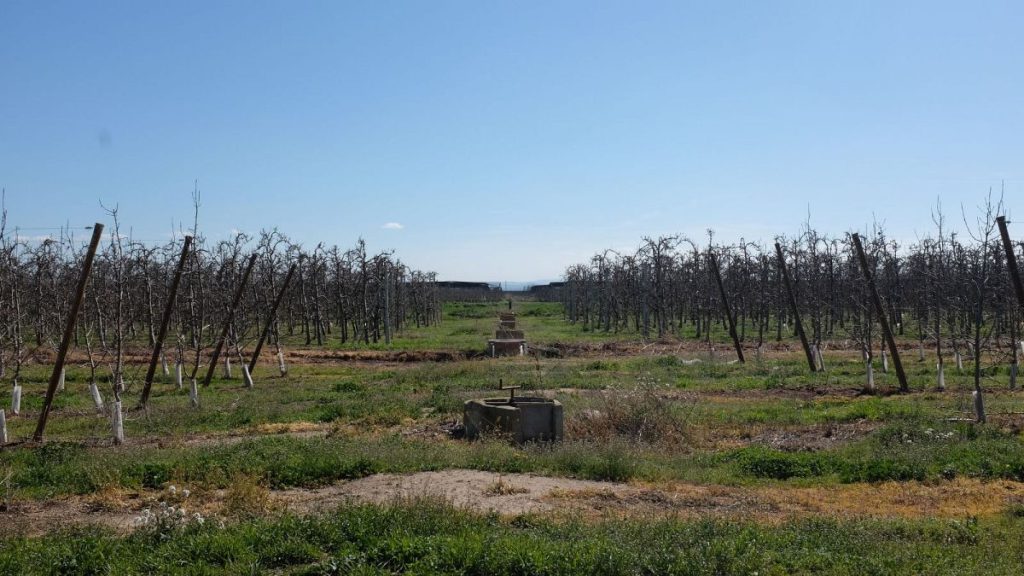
pixel 515 494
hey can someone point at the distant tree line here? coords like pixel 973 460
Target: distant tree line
pixel 948 292
pixel 344 295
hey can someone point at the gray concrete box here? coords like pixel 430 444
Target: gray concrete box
pixel 525 419
pixel 509 347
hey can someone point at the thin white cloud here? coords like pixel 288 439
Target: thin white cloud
pixel 392 226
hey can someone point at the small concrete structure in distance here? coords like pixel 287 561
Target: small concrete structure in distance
pixel 523 419
pixel 507 340
pixel 503 334
pixel 507 320
pixel 506 347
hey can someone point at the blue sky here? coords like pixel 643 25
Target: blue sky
pixel 509 139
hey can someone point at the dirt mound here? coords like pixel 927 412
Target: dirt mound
pixel 481 491
pixel 513 494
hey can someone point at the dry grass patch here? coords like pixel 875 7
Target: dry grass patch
pixel 287 427
pixel 649 413
pixel 501 487
pixel 247 497
pixel 961 497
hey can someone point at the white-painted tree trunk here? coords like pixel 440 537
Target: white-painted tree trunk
pixel 60 380
pixel 163 365
pixel 227 368
pixel 885 361
pixel 819 360
pixel 869 385
pixel 97 398
pixel 247 376
pixel 16 399
pixel 959 362
pixel 979 406
pixel 759 353
pixel 178 370
pixel 3 427
pixel 193 393
pixel 117 423
pixel 920 352
pixel 281 365
pixel 941 377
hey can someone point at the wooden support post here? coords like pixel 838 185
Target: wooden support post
pixel 165 321
pixel 811 362
pixel 270 319
pixel 69 331
pixel 725 304
pixel 1018 288
pixel 227 321
pixel 880 311
pixel 1011 260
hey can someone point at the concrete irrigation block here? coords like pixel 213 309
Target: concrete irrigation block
pixel 526 419
pixel 506 347
pixel 503 334
pixel 507 324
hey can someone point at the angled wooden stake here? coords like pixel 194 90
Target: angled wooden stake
pixel 725 304
pixel 69 331
pixel 227 321
pixel 880 312
pixel 165 321
pixel 1011 260
pixel 794 310
pixel 270 319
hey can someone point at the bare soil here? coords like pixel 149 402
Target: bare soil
pixel 812 438
pixel 320 356
pixel 515 494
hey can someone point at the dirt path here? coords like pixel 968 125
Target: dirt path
pixel 513 494
pixel 523 493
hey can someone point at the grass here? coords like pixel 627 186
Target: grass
pixel 903 451
pixel 64 468
pixel 898 452
pixel 650 417
pixel 706 409
pixel 428 537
